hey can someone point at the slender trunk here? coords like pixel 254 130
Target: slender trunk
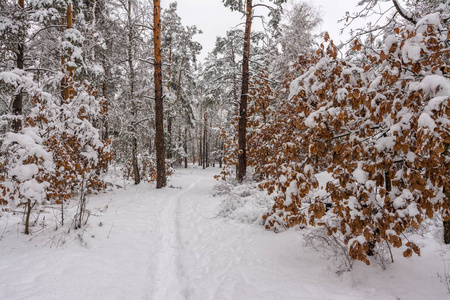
pixel 78 224
pixel 132 80
pixel 169 126
pixel 242 155
pixel 137 176
pixel 179 80
pixel 208 144
pixel 169 133
pixel 159 108
pixel 169 67
pixel 235 81
pixel 169 119
pixel 179 140
pixel 205 155
pixel 200 148
pixel 192 148
pixel 68 78
pixel 62 212
pixel 221 152
pixel 27 219
pixel 63 66
pixel 447 227
pixel 105 103
pixel 185 148
pixel 17 105
pixel 18 99
pixel 447 194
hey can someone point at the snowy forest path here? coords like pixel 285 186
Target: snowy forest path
pixel 168 264
pixel 148 244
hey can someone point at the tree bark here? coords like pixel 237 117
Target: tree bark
pixel 27 218
pixel 205 156
pixel 134 160
pixel 159 108
pixel 17 106
pixel 105 103
pixel 242 134
pixel 137 176
pixel 68 91
pixel 446 224
pixel 200 152
pixel 169 67
pixel 192 148
pixel 169 133
pixel 447 227
pixel 185 147
pixel 221 153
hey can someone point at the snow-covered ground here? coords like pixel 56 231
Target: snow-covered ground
pixel 144 243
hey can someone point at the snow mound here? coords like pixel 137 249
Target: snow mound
pixel 244 203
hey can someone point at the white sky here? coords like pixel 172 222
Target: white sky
pixel 214 19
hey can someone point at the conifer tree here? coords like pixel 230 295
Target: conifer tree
pixel 161 180
pixel 248 10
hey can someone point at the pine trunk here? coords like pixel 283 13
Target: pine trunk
pixel 169 66
pixel 185 148
pixel 192 148
pixel 200 152
pixel 447 232
pixel 134 160
pixel 17 105
pixel 204 158
pixel 18 99
pixel 137 176
pixel 208 144
pixel 447 194
pixel 242 155
pixel 105 103
pixel 159 108
pixel 68 92
pixel 220 156
pixel 169 133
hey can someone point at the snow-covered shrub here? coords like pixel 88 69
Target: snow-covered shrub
pixel 26 164
pixel 244 203
pixel 55 152
pixel 380 128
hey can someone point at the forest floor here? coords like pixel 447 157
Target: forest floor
pixel 143 243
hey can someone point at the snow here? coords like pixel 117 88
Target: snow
pixel 385 143
pixel 411 51
pixel 426 121
pixel 430 19
pixel 291 191
pixel 433 84
pixel 360 175
pixel 144 243
pixel 341 94
pixel 389 42
pixel 310 121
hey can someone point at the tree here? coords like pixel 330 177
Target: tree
pixel 296 37
pixel 180 52
pixel 238 5
pixel 57 153
pixel 159 109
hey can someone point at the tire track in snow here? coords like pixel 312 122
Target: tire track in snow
pixel 167 273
